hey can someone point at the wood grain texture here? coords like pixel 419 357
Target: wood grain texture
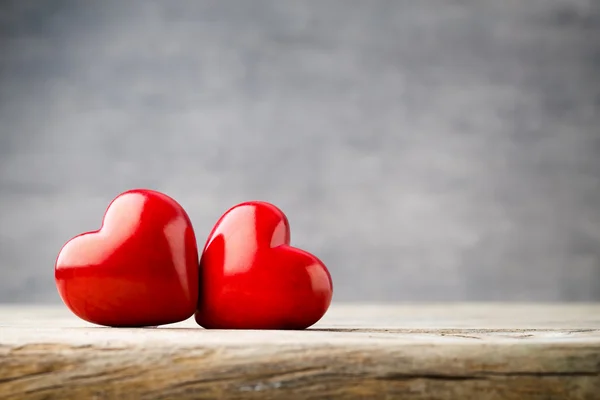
pixel 481 351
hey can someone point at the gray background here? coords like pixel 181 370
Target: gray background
pixel 425 150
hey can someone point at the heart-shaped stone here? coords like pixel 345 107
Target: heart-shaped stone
pixel 251 278
pixel 139 269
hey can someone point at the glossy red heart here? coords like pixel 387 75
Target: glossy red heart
pixel 251 278
pixel 139 269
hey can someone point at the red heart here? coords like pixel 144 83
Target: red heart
pixel 139 269
pixel 251 278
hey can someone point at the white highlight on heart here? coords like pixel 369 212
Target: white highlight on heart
pixel 122 218
pixel 175 232
pixel 240 222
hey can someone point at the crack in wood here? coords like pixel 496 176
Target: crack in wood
pixel 25 376
pixel 456 331
pixel 487 375
pixel 443 377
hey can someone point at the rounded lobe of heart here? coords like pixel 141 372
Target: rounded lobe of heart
pixel 139 269
pixel 251 278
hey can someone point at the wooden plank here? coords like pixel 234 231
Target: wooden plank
pixel 480 351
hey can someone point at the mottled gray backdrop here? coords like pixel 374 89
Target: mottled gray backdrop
pixel 425 150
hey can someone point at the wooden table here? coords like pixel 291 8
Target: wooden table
pixel 453 351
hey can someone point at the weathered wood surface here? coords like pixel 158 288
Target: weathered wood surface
pixel 357 351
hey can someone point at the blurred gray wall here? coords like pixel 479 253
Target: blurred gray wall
pixel 425 150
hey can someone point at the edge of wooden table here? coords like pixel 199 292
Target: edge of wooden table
pixel 412 351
